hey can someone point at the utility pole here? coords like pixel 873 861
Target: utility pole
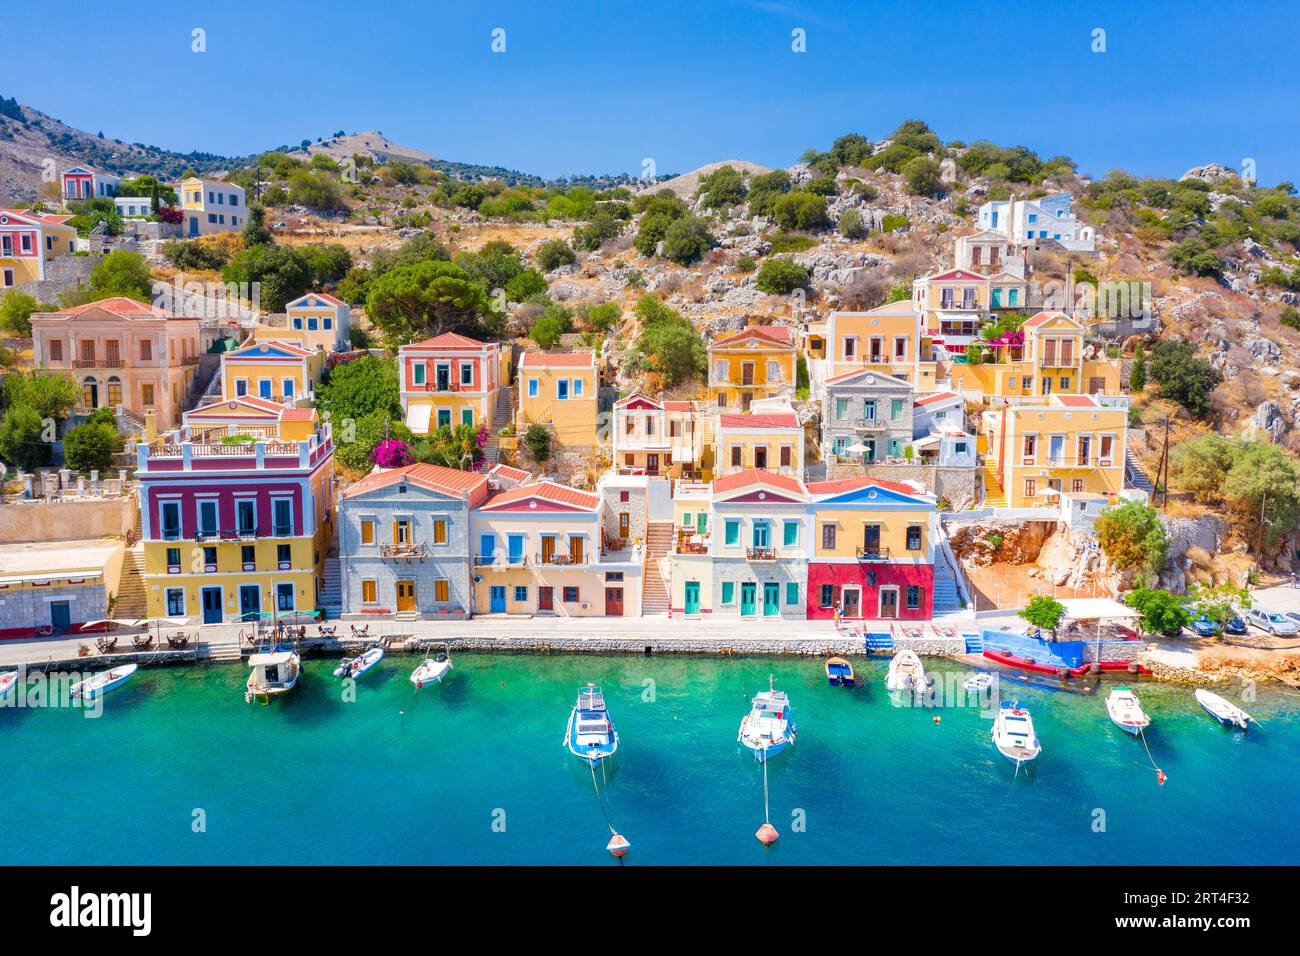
pixel 1164 470
pixel 1259 538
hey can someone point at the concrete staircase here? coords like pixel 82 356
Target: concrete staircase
pixel 331 589
pixel 502 414
pixel 1137 478
pixel 994 495
pixel 947 598
pixel 131 596
pixel 659 540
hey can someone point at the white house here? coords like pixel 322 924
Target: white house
pixel 134 207
pixel 1048 218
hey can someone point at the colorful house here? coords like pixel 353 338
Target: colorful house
pixel 450 379
pixel 1045 357
pixel 990 253
pixel 211 206
pixel 1060 443
pixel 121 353
pixel 28 242
pixel 62 585
pixel 887 340
pixel 560 390
pixel 235 530
pixel 82 182
pixel 659 437
pixel 252 416
pixel 866 417
pixel 542 548
pixel 276 370
pixel 314 321
pixel 954 305
pixel 872 554
pixel 1032 220
pixel 404 541
pixel 770 441
pixel 756 362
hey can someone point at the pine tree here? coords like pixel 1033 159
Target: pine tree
pixel 1137 374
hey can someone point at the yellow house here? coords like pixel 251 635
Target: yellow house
pixel 659 437
pixel 771 441
pixel 28 242
pixel 275 370
pixel 560 389
pixel 450 380
pixel 954 305
pixel 1065 443
pixel 210 205
pixel 756 362
pixel 1044 358
pixel 316 320
pixel 887 339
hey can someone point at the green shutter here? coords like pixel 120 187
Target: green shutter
pixel 732 532
pixel 728 592
pixel 791 592
pixel 791 533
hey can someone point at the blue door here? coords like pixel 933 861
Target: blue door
pixel 515 548
pixel 498 599
pixel 212 598
pixel 194 225
pixel 487 547
pixel 61 617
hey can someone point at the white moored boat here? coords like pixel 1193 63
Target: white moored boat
pixel 103 682
pixel 1126 712
pixel 361 665
pixel 978 683
pixel 905 672
pixel 275 672
pixel 8 681
pixel 1224 711
pixel 431 670
pixel 769 727
pixel 590 733
pixel 1013 733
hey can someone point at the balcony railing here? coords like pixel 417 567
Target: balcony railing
pixel 98 363
pixel 692 547
pixel 407 550
pixel 760 554
pixel 283 531
pixel 870 424
pixel 1065 461
pixel 510 560
pixel 563 560
pixel 873 554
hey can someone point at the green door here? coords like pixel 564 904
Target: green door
pixel 748 591
pixel 692 597
pixel 771 598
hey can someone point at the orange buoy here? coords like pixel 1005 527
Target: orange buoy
pixel 767 834
pixel 618 845
pixel 1160 777
pixel 936 718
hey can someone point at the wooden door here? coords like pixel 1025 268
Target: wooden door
pixel 406 595
pixel 614 602
pixel 545 598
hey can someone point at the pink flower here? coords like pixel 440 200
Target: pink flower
pixel 391 453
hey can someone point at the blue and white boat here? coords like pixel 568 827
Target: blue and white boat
pixel 99 684
pixel 769 727
pixel 1224 711
pixel 1013 733
pixel 361 665
pixel 591 734
pixel 8 681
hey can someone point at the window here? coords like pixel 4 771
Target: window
pixel 826 596
pixel 570 595
pixel 913 597
pixel 466 373
pixel 828 537
pixel 786 456
pixel 210 557
pixel 841 408
pixel 790 534
pixel 327 323
pixel 850 346
pixel 401 531
pixel 1031 487
pixel 297 322
pixel 311 323
pixel 792 592
pixel 56 350
pixel 171 519
pixel 728 592
pixel 900 346
pixel 736 453
pixel 532 388
pixel 369 591
pixel 146 395
pixel 521 593
pixel 439 530
pixel 896 408
pixel 248 556
pixel 418 372
pixel 283 517
pixel 246 513
pixel 176 601
pixel 367 531
pixel 1076 485
pixel 731 531
pixel 284 597
pixel 577 388
pixel 173 557
pixel 720 371
pixel 241 387
pixel 774 371
pixel 914 537
pixel 441 591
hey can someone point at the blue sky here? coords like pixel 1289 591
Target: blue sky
pixel 598 86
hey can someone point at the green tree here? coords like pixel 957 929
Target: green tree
pixel 603 317
pixel 922 175
pixel 552 254
pixel 368 431
pixel 359 387
pixel 1194 257
pixel 316 190
pixel 91 446
pixel 1263 480
pixel 1137 373
pixel 538 442
pixel 281 272
pixel 50 395
pixel 1133 538
pixel 1160 612
pixel 1202 463
pixel 255 232
pixel 765 190
pixel 673 349
pixel 1183 377
pixel 801 210
pixel 122 273
pixel 1043 611
pixel 524 286
pixel 427 299
pixel 450 447
pixel 16 310
pixel 851 225
pixel 23 438
pixel 781 276
pixel 1219 603
pixel 328 262
pixel 686 240
pixel 722 188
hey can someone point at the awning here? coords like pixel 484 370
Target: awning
pixel 417 418
pixel 1094 609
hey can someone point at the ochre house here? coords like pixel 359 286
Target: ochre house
pixel 29 241
pixel 887 339
pixel 756 362
pixel 278 371
pixel 1045 357
pixel 560 390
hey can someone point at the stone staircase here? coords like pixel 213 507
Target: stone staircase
pixel 994 495
pixel 659 539
pixel 331 589
pixel 1137 478
pixel 947 598
pixel 502 414
pixel 131 595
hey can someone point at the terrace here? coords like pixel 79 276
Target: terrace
pixel 227 448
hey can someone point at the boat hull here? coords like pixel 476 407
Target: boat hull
pixel 8 681
pixel 87 690
pixel 1224 712
pixel 592 756
pixel 430 672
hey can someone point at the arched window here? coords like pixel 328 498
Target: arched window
pixel 90 393
pixel 114 391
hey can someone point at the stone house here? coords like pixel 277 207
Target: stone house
pixel 866 416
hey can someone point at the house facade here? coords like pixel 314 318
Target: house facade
pixel 235 531
pixel 659 437
pixel 866 417
pixel 121 352
pixel 29 241
pixel 82 182
pixel 1030 220
pixel 274 370
pixel 990 253
pixel 754 363
pixel 872 550
pixel 404 541
pixel 954 305
pixel 1045 357
pixel 210 206
pixel 449 380
pixel 768 441
pixel 62 585
pixel 887 340
pixel 560 390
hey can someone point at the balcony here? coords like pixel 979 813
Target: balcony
pixel 93 362
pixel 873 554
pixel 407 550
pixel 760 554
pixel 870 424
pixel 508 560
pixel 560 560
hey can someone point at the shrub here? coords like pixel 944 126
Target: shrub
pixel 91 446
pixel 781 276
pixel 686 240
pixel 1133 538
pixel 1183 377
pixel 538 442
pixel 891 222
pixel 552 254
pixel 391 453
pixel 122 273
pixel 1137 375
pixel 851 225
pixel 1043 611
pixel 1160 612
pixel 801 210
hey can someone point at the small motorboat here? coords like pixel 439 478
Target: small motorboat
pixel 906 672
pixel 768 728
pixel 978 683
pixel 1224 711
pixel 839 672
pixel 274 672
pixel 8 681
pixel 1126 712
pixel 431 670
pixel 360 666
pixel 591 734
pixel 101 683
pixel 1013 733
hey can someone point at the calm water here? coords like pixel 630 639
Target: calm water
pixel 405 777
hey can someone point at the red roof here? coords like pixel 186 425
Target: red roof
pixel 780 334
pixel 757 476
pixel 547 490
pixel 264 345
pixel 838 486
pixel 468 485
pixel 514 474
pixel 449 340
pixel 117 305
pixel 558 360
pixel 226 408
pixel 40 217
pixel 960 274
pixel 775 420
pixel 1042 317
pixel 1076 401
pixel 860 371
pixel 936 397
pixel 298 414
pixel 679 406
pixel 316 295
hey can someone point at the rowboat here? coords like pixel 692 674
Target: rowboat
pixel 839 672
pixel 768 728
pixel 1224 711
pixel 590 733
pixel 360 666
pixel 8 681
pixel 431 670
pixel 1126 712
pixel 1013 733
pixel 905 672
pixel 978 683
pixel 101 683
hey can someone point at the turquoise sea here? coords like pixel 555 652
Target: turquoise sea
pixel 474 771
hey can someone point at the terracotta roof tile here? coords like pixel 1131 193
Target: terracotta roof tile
pixel 779 334
pixel 558 360
pixel 771 420
pixel 838 486
pixel 449 481
pixel 757 476
pixel 548 490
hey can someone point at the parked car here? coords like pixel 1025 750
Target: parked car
pixel 1272 621
pixel 1234 625
pixel 1203 626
